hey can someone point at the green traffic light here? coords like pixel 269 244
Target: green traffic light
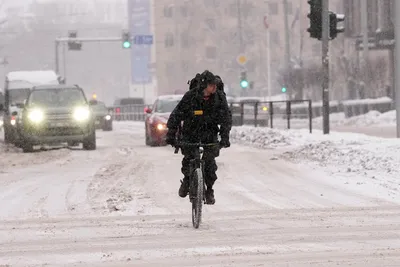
pixel 244 84
pixel 127 44
pixel 283 89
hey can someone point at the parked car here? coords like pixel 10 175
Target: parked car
pixel 56 114
pixel 157 117
pixel 103 117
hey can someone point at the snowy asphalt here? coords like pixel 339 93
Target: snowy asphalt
pixel 118 206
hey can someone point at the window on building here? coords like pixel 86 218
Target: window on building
pixel 233 10
pixel 316 49
pixel 211 52
pixel 169 68
pixel 211 3
pixel 169 40
pixel 185 65
pixel 273 8
pixel 168 11
pixel 185 40
pixel 184 11
pixel 275 38
pixel 290 8
pixel 211 24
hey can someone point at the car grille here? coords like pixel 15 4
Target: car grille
pixel 56 117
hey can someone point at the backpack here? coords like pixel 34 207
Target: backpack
pixel 195 82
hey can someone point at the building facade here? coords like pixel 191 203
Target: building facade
pixel 209 34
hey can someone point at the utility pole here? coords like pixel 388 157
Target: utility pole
pixel 397 62
pixel 364 29
pixel 240 30
pixel 266 25
pixel 325 65
pixel 287 33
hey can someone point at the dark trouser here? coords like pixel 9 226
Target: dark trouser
pixel 210 166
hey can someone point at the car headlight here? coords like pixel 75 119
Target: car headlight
pixel 36 115
pixel 81 114
pixel 161 126
pixel 108 117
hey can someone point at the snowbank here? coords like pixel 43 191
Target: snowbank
pixel 373 117
pixel 343 152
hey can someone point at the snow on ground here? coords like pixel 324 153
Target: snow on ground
pixel 355 158
pixel 119 205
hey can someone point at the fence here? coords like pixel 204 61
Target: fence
pixel 264 114
pixel 129 112
pixel 259 114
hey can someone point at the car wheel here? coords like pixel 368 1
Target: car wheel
pixel 72 144
pixel 27 147
pixel 108 128
pixel 90 142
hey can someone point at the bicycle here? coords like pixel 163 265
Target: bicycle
pixel 196 180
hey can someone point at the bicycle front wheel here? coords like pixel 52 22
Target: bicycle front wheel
pixel 197 202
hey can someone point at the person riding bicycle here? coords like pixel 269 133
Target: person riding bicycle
pixel 202 109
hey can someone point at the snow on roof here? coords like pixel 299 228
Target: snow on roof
pixel 24 79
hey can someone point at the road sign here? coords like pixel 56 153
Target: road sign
pixel 140 25
pixel 143 39
pixel 241 59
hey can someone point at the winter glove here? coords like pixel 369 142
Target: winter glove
pixel 224 143
pixel 171 139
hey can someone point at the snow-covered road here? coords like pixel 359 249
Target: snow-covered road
pixel 118 206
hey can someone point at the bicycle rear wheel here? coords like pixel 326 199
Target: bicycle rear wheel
pixel 197 202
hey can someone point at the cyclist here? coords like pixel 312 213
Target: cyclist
pixel 202 109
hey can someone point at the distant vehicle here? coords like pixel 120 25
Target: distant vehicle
pixel 57 114
pixel 16 90
pixel 130 108
pixel 103 117
pixel 157 117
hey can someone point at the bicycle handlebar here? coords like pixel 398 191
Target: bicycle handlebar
pixel 185 144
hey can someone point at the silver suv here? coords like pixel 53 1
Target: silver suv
pixel 57 114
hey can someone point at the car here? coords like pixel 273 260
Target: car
pixel 103 117
pixel 157 117
pixel 57 114
pixel 16 89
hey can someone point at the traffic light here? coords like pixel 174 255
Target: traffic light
pixel 315 17
pixel 126 40
pixel 243 80
pixel 251 85
pixel 284 89
pixel 73 45
pixel 334 19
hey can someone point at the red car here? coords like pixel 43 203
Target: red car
pixel 157 117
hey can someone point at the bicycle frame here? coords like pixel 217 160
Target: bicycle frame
pixel 196 191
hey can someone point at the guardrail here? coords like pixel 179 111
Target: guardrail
pixel 263 114
pixel 129 112
pixel 259 114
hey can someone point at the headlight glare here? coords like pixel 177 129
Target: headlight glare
pixel 161 126
pixel 36 115
pixel 81 114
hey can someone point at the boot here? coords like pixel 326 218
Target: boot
pixel 210 200
pixel 184 189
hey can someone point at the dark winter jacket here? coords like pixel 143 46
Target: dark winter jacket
pixel 201 117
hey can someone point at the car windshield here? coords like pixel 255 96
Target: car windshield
pixel 17 96
pixel 100 106
pixel 57 97
pixel 165 106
